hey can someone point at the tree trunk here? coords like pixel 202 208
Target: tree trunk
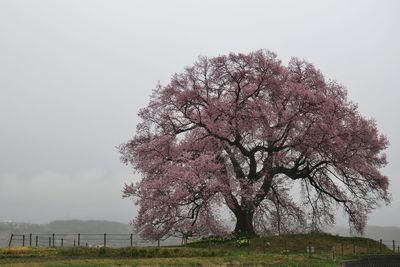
pixel 244 223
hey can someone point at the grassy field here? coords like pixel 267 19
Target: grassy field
pixel 287 250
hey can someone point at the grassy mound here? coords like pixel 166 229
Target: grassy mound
pixel 297 243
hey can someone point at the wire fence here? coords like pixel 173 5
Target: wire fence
pixel 351 247
pixel 81 240
pixel 392 244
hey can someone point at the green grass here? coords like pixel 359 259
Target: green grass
pixel 297 243
pixel 234 260
pixel 286 250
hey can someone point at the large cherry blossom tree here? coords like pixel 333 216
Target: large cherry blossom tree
pixel 239 131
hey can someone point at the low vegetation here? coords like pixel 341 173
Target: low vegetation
pixel 286 250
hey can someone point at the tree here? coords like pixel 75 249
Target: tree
pixel 241 130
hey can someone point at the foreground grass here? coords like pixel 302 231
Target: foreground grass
pixel 289 250
pixel 235 260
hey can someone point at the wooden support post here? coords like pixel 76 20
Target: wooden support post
pixel 36 241
pixel 49 241
pixel 105 239
pixel 394 246
pixel 131 239
pixel 11 238
pixel 380 246
pixel 62 242
pixel 158 243
pixel 30 239
pixel 74 242
pixel 23 240
pixel 53 240
pixel 79 239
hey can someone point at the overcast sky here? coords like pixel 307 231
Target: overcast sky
pixel 73 75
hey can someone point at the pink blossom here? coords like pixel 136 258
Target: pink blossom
pixel 238 131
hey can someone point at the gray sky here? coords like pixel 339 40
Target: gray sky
pixel 73 75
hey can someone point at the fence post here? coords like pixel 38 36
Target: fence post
pixel 49 241
pixel 285 246
pixel 367 246
pixel 333 253
pixel 36 240
pixel 62 242
pixel 53 239
pixel 105 239
pixel 342 249
pixel 74 242
pixel 131 240
pixel 158 243
pixel 380 246
pixel 79 239
pixel 23 240
pixel 11 237
pixel 394 247
pixel 30 239
pixel 354 247
pixel 309 249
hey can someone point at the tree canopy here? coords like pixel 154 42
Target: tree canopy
pixel 239 131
